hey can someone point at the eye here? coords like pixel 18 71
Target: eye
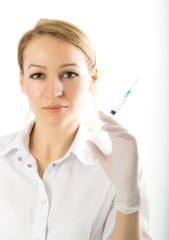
pixel 37 76
pixel 69 75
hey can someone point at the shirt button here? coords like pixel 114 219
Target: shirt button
pixel 54 164
pixel 43 201
pixel 19 158
pixel 29 165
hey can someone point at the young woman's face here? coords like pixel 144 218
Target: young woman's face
pixel 56 75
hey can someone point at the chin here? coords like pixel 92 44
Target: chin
pixel 59 121
pixel 55 122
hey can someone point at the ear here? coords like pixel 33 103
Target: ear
pixel 21 82
pixel 93 81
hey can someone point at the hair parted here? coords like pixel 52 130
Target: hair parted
pixel 60 29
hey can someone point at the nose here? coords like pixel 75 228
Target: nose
pixel 54 87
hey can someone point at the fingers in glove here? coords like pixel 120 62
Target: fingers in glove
pixel 113 128
pixel 126 135
pixel 117 131
pixel 99 155
pixel 107 119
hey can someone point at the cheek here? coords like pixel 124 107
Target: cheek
pixel 33 94
pixel 78 94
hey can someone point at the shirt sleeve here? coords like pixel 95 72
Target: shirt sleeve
pixel 110 222
pixel 144 214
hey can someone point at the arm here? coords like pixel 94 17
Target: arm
pixel 121 167
pixel 127 227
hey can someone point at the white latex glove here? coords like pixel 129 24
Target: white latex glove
pixel 121 165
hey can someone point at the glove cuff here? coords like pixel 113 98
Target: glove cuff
pixel 128 204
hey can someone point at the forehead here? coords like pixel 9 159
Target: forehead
pixel 47 49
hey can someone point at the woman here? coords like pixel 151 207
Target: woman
pixel 55 181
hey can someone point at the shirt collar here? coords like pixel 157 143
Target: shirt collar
pixel 80 148
pixel 20 141
pixel 17 140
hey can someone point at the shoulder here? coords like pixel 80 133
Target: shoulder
pixel 15 140
pixel 7 139
pixel 7 142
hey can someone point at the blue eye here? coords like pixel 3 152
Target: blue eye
pixel 37 76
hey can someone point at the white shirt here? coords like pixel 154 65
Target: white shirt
pixel 74 200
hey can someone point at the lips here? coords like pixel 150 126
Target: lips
pixel 56 108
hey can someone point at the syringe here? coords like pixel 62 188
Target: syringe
pixel 123 99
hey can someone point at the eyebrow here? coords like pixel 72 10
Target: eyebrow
pixel 69 64
pixel 36 65
pixel 62 66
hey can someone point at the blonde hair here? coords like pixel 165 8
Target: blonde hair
pixel 66 31
pixel 60 29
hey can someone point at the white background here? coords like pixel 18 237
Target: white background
pixel 131 39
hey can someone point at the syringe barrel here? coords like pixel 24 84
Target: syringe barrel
pixel 120 104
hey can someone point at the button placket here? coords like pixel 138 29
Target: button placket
pixel 41 215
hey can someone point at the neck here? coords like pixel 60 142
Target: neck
pixel 51 143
